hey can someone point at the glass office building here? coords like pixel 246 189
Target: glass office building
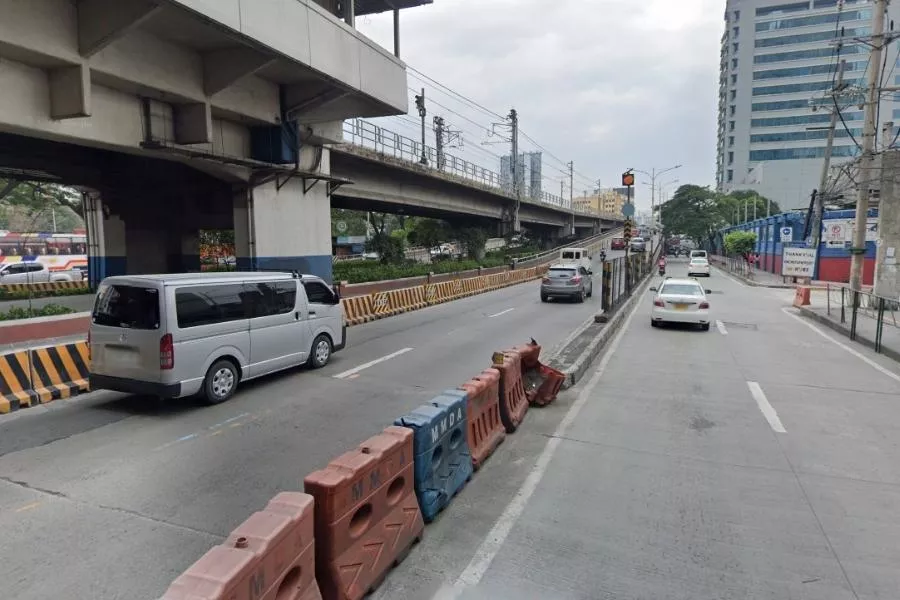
pixel 778 60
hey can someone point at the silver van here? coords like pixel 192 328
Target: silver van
pixel 578 256
pixel 202 333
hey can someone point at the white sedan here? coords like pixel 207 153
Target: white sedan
pixel 680 301
pixel 698 266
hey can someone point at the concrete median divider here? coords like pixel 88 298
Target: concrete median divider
pixel 485 429
pixel 270 556
pixel 513 402
pixel 60 371
pixel 443 463
pixel 15 382
pixel 45 286
pixel 367 515
pixel 41 375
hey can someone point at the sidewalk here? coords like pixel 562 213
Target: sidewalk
pixel 752 276
pixel 866 321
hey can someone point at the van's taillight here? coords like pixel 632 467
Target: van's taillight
pixel 659 303
pixel 166 352
pixel 704 305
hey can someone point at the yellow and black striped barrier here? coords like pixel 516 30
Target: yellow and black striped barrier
pixel 41 375
pixel 51 286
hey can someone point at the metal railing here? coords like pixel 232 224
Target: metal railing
pixel 363 134
pixel 864 310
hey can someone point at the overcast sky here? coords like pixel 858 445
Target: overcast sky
pixel 610 84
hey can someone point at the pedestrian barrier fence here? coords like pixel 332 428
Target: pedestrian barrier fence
pixel 513 402
pixel 363 512
pixel 443 464
pixel 270 556
pixel 367 515
pixel 378 305
pixel 41 375
pixel 485 430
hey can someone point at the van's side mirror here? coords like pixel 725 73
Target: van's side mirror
pixel 653 288
pixel 708 291
pixel 336 294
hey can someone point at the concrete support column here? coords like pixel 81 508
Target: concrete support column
pixel 145 247
pixel 285 228
pixel 184 252
pixel 887 276
pixel 106 240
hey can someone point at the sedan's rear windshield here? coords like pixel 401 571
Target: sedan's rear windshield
pixel 562 273
pixel 682 289
pixel 128 306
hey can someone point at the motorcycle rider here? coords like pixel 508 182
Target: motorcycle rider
pixel 662 265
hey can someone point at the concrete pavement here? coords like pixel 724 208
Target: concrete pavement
pixel 756 460
pixel 138 489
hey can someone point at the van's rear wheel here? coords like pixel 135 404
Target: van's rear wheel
pixel 320 353
pixel 220 383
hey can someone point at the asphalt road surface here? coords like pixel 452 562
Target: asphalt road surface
pixel 111 497
pixel 758 460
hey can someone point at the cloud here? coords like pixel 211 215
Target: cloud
pixel 610 84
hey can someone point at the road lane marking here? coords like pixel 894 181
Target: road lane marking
pixel 858 355
pixel 28 507
pixel 215 428
pixel 371 363
pixel 496 537
pixel 729 276
pixel 501 313
pixel 767 410
pixel 721 327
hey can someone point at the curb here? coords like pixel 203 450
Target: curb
pixel 845 331
pixel 577 369
pixel 751 283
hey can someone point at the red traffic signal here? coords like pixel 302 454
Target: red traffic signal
pixel 628 179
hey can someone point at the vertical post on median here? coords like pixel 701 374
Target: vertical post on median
pixel 867 159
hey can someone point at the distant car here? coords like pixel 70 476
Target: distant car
pixel 617 244
pixel 570 281
pixel 699 254
pixel 680 301
pixel 698 266
pixel 638 245
pixel 34 272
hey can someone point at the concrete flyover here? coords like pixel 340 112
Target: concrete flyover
pixel 385 183
pixel 217 113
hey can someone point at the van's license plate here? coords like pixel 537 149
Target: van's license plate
pixel 680 306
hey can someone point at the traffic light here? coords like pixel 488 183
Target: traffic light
pixel 628 179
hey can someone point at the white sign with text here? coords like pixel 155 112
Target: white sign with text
pixel 798 262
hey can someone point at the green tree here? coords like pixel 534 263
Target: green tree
pixel 39 206
pixel 354 221
pixel 693 211
pixel 428 233
pixel 755 203
pixel 740 242
pixel 473 239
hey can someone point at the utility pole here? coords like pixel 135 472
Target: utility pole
pixel 514 142
pixel 572 187
pixel 867 161
pixel 826 163
pixel 653 175
pixel 439 141
pixel 420 105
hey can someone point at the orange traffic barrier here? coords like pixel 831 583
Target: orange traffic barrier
pixel 801 295
pixel 15 381
pixel 367 515
pixel 530 353
pixel 485 429
pixel 543 384
pixel 270 556
pixel 513 402
pixel 358 309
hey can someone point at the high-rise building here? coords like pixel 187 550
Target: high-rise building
pixel 529 174
pixel 778 65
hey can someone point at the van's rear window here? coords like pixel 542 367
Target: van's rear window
pixel 569 255
pixel 127 306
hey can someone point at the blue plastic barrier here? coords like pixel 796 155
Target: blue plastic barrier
pixel 443 463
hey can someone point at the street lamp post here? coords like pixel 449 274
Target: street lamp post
pixel 653 174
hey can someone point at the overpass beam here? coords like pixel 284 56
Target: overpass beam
pixel 223 68
pixel 70 92
pixel 101 22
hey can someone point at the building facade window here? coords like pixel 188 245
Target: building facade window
pixel 834 3
pixel 802 120
pixel 730 125
pixel 734 79
pixel 730 176
pixel 731 158
pixel 733 95
pixel 807 38
pixel 782 9
pixel 761 59
pixel 734 47
pixel 796 153
pixel 737 15
pixel 843 17
pixel 735 31
pixel 806 71
pixel 731 110
pixel 800 136
pixel 730 141
pixel 734 63
pixel 792 88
